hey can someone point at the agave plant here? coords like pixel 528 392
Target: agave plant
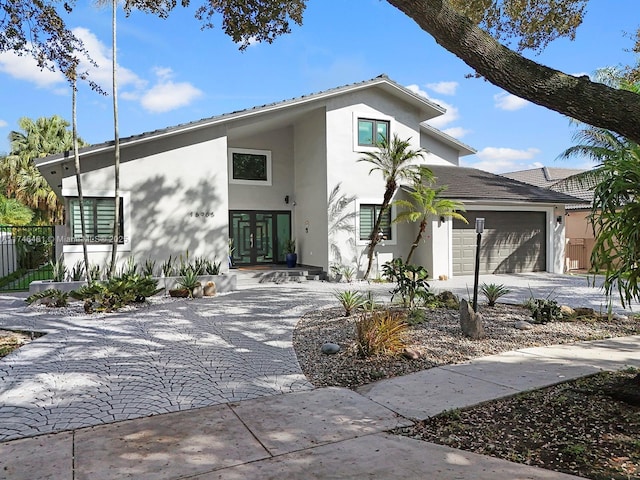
pixel 493 292
pixel 350 300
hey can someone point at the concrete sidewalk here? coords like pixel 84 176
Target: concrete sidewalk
pixel 318 434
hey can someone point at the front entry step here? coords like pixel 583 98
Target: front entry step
pixel 278 274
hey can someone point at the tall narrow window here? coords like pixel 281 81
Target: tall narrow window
pixel 368 215
pixel 372 132
pixel 99 216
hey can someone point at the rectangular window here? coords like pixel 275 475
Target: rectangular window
pixel 99 217
pixel 368 215
pixel 372 132
pixel 249 166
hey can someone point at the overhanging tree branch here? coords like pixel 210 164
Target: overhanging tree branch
pixel 577 97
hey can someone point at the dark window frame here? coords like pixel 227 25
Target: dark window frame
pixel 265 167
pixel 93 235
pixel 385 226
pixel 375 123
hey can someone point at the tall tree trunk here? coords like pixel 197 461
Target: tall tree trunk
pixel 76 158
pixel 116 135
pixel 375 237
pixel 421 230
pixel 576 97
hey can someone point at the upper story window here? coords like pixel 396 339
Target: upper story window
pixel 372 132
pixel 250 167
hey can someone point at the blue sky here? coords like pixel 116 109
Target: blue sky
pixel 172 72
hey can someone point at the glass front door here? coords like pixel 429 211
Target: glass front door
pixel 259 236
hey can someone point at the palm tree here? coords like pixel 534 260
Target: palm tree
pixel 12 212
pixel 394 160
pixel 615 213
pixel 20 177
pixel 426 202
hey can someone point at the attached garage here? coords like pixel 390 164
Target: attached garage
pixel 512 242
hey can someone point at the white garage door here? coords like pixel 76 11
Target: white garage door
pixel 511 242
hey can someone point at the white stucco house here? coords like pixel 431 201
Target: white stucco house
pixel 264 175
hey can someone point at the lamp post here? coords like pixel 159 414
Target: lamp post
pixel 479 230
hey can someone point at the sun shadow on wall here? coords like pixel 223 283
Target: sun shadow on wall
pixel 170 218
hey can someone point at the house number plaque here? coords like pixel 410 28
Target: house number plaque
pixel 202 214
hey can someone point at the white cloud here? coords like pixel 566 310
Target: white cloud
pixel 101 73
pixel 3 123
pixel 501 160
pixel 507 101
pixel 167 95
pixel 443 88
pixel 24 67
pixel 456 132
pixel 451 114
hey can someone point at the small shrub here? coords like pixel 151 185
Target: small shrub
pixel 381 332
pixel 167 267
pixel 350 300
pixel 57 298
pixel 190 280
pixel 211 267
pixel 149 267
pixel 77 272
pixel 411 280
pixel 116 292
pixel 544 310
pixel 493 292
pixel 59 269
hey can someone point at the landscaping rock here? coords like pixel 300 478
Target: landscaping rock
pixel 567 311
pixel 411 354
pixel 618 317
pixel 522 325
pixel 471 322
pixel 585 312
pixel 330 348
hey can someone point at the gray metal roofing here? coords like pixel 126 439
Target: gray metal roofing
pixel 472 184
pixel 380 79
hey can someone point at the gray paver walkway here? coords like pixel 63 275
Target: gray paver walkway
pixel 175 356
pixel 231 356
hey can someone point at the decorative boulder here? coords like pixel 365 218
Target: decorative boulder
pixel 522 325
pixel 330 348
pixel 411 354
pixel 567 311
pixel 471 322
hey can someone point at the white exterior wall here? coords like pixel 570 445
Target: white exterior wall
pixel 310 212
pixel 163 189
pixel 343 166
pixel 268 197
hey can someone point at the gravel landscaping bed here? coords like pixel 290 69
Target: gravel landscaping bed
pixel 588 427
pixel 438 339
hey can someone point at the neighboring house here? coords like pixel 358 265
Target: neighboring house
pixel 578 230
pixel 264 175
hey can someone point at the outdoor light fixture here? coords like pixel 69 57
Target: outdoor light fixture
pixel 479 230
pixel 286 199
pixel 559 219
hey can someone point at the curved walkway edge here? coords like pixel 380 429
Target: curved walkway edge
pixel 317 434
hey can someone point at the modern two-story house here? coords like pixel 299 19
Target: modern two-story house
pixel 264 175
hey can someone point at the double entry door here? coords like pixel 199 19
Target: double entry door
pixel 259 236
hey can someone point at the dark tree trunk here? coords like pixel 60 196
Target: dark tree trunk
pixel 421 230
pixel 576 97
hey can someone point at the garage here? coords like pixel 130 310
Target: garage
pixel 512 242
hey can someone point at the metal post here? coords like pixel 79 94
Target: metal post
pixel 479 230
